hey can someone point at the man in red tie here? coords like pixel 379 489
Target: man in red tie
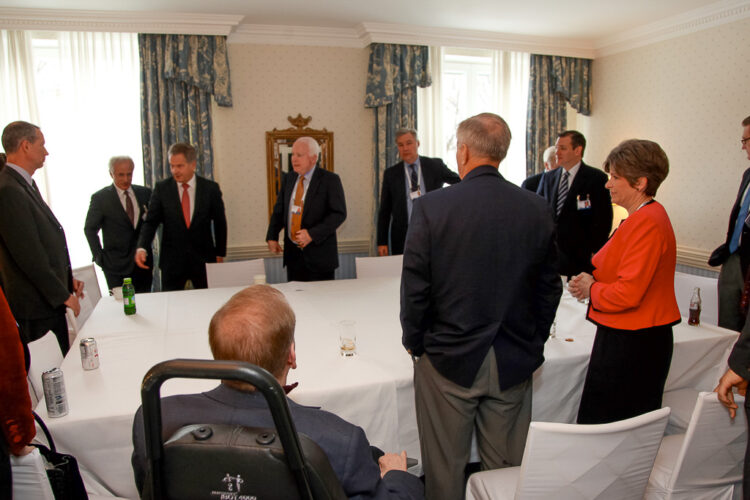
pixel 194 232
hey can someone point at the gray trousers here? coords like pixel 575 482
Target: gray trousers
pixel 731 283
pixel 447 415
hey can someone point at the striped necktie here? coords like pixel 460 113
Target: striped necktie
pixel 562 191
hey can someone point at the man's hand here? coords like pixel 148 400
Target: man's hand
pixel 382 250
pixel 140 258
pixel 302 238
pixel 78 288
pixel 73 303
pixel 392 461
pixel 274 246
pixel 724 390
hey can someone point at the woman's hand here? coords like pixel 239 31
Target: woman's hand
pixel 580 286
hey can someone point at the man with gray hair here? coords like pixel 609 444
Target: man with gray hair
pixel 532 183
pixel 118 212
pixel 479 292
pixel 403 183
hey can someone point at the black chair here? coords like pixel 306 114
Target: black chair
pixel 231 461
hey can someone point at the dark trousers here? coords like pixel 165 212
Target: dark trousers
pixel 141 279
pixel 626 374
pixel 297 271
pixel 746 470
pixel 197 275
pixel 33 329
pixel 6 475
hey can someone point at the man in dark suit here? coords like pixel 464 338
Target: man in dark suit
pixel 476 314
pixel 404 182
pixel 309 208
pixel 532 183
pixel 191 210
pixel 734 254
pixel 260 316
pixel 118 212
pixel 583 208
pixel 35 267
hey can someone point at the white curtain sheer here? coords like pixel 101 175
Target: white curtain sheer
pixel 86 88
pixel 471 81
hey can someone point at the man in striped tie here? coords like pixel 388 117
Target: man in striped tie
pixel 582 206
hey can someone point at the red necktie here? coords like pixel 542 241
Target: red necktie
pixel 129 209
pixel 186 203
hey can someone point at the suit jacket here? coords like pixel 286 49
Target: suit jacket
pixel 393 213
pixel 580 233
pixel 107 214
pixel 35 267
pixel 532 183
pixel 634 273
pixel 721 254
pixel 184 248
pixel 480 271
pixel 324 211
pixel 345 445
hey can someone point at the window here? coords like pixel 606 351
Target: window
pixel 471 81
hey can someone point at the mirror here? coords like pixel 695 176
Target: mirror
pixel 279 152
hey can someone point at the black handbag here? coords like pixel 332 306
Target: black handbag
pixel 62 469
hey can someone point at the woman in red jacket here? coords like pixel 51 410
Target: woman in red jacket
pixel 631 293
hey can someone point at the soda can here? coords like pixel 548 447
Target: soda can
pixel 89 354
pixel 54 393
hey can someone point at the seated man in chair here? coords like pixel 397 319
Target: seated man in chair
pixel 257 326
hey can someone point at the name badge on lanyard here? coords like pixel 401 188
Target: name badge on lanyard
pixel 415 194
pixel 296 209
pixel 584 204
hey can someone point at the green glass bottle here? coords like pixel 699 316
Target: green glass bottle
pixel 128 296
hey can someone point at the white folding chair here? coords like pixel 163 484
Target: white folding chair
pixel 236 273
pixel 572 462
pixel 378 267
pixel 30 477
pixel 91 295
pixel 45 355
pixel 683 290
pixel 707 461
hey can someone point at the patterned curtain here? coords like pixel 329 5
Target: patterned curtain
pixel 554 80
pixel 179 74
pixel 393 74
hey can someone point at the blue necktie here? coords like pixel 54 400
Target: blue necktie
pixel 414 177
pixel 734 243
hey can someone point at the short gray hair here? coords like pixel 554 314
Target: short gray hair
pixel 313 148
pixel 117 159
pixel 406 130
pixel 17 132
pixel 485 134
pixel 548 154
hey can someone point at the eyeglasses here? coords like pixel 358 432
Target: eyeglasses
pixel 744 141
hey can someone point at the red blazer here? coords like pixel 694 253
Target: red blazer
pixel 634 273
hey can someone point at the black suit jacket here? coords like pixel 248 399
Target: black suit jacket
pixel 720 255
pixel 35 270
pixel 345 445
pixel 185 250
pixel 480 271
pixel 106 214
pixel 324 211
pixel 393 213
pixel 532 183
pixel 580 233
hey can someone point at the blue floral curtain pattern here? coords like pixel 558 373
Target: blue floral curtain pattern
pixel 554 80
pixel 179 74
pixel 393 75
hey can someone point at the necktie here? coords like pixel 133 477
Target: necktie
pixel 297 215
pixel 562 191
pixel 129 207
pixel 414 177
pixel 186 203
pixel 734 243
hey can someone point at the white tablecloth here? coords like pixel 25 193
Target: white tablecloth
pixel 373 390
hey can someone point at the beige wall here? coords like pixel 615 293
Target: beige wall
pixel 270 83
pixel 689 94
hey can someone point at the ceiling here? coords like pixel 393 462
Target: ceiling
pixel 589 20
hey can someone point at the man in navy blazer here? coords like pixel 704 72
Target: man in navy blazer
pixel 405 181
pixel 257 326
pixel 479 291
pixel 194 232
pixel 734 254
pixel 584 217
pixel 118 212
pixel 309 208
pixel 35 270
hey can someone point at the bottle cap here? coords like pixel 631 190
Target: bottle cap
pixel 127 281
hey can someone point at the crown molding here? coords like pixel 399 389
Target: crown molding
pixel 717 14
pixel 267 34
pixel 694 257
pixel 260 251
pixel 117 21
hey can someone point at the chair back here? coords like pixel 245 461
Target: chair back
pixel 378 267
pixel 30 480
pixel 569 461
pixel 237 273
pixel 45 354
pixel 91 295
pixel 713 451
pixel 251 457
pixel 683 290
